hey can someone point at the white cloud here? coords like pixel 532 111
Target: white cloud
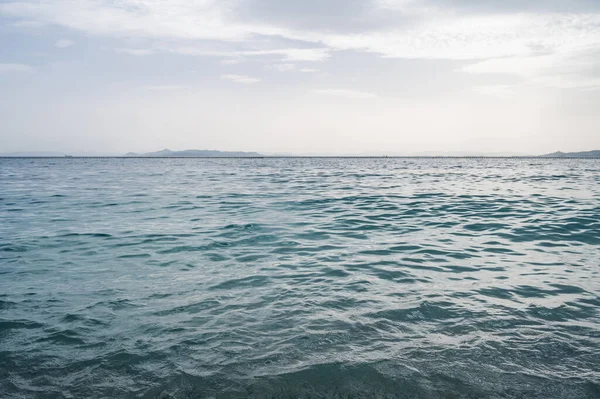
pixel 17 68
pixel 532 65
pixel 232 61
pixel 295 54
pixel 287 54
pixel 240 79
pixel 290 67
pixel 135 51
pixel 63 43
pixel 349 94
pixel 175 19
pixel 438 34
pixel 477 37
pixel 505 41
pixel 573 69
pixel 282 67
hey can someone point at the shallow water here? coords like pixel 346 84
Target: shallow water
pixel 267 278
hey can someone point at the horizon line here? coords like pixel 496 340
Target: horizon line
pixel 300 156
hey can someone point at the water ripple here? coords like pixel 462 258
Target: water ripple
pixel 267 278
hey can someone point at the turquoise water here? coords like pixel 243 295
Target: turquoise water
pixel 299 278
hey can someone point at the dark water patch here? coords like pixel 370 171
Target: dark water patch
pixel 253 281
pixel 501 251
pixel 86 235
pixel 13 248
pixel 192 308
pixel 484 226
pixel 135 256
pixel 460 269
pixel 386 274
pixel 66 337
pixel 305 250
pixel 405 248
pixel 6 304
pixel 560 313
pixel 188 248
pixel 6 325
pixel 84 321
pixel 430 312
pixel 496 292
pixel 250 258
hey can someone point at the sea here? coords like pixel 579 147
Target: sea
pixel 300 278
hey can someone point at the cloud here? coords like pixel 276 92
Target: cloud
pixel 175 19
pixel 349 94
pixel 507 6
pixel 135 51
pixel 232 61
pixel 477 37
pixel 63 43
pixel 163 87
pixel 282 67
pixel 573 69
pixel 436 31
pixel 240 79
pixel 507 35
pixel 289 67
pixel 294 54
pixel 286 54
pixel 16 68
pixel 309 14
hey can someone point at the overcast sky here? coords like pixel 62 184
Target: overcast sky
pixel 303 76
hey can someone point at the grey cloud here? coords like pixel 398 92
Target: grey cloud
pixel 326 16
pixel 285 31
pixel 501 6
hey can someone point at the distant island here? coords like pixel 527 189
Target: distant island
pixel 584 154
pixel 33 154
pixel 166 153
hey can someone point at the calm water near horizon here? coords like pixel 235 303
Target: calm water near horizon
pixel 299 278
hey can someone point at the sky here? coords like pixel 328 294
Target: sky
pixel 329 77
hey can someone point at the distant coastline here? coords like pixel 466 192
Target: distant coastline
pixel 166 153
pixel 583 154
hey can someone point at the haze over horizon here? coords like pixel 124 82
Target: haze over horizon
pixel 201 153
pixel 311 77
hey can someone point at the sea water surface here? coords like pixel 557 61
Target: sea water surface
pixel 299 278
